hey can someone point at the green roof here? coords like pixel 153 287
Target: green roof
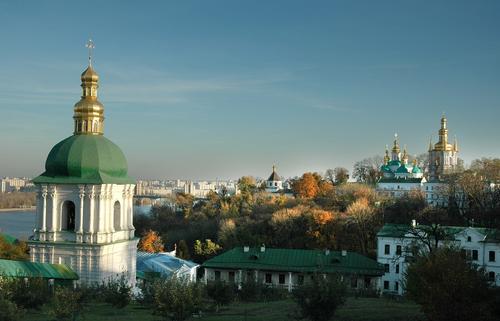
pixel 402 169
pixel 26 269
pixel 400 180
pixel 394 163
pixel 85 159
pixel 8 238
pixel 416 170
pixel 295 260
pixel 385 168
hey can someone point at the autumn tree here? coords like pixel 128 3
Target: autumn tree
pixel 247 184
pixel 151 242
pixel 341 175
pixel 307 186
pixel 205 250
pixel 365 221
pixel 16 250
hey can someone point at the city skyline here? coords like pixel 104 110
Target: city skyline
pixel 185 97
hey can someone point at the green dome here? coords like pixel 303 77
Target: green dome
pixel 402 169
pixel 385 168
pixel 85 159
pixel 416 170
pixel 394 163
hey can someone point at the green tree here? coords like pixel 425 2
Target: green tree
pixel 319 299
pixel 176 299
pixel 67 303
pixel 205 250
pixel 13 251
pixel 222 293
pixel 182 251
pixel 448 287
pixel 9 311
pixel 117 291
pixel 29 294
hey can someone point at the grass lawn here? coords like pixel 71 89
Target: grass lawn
pixel 363 309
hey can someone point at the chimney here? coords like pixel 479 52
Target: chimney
pixel 263 248
pixel 246 248
pixel 344 253
pixel 327 252
pixel 414 223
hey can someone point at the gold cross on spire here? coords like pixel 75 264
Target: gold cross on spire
pixel 90 45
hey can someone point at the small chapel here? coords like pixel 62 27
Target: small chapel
pixel 84 211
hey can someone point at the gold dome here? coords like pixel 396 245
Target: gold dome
pixel 89 75
pixel 89 112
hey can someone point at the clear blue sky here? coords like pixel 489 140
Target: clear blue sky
pixel 207 89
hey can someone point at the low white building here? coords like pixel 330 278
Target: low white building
pixel 395 241
pixel 287 268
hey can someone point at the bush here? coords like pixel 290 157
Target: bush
pixel 146 297
pixel 116 291
pixel 9 311
pixel 67 303
pixel 176 299
pixel 319 299
pixel 250 290
pixel 28 294
pixel 222 293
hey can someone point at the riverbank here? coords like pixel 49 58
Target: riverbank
pixel 18 209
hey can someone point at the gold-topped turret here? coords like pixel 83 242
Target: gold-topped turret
pixel 404 159
pixel 455 144
pixel 387 158
pixel 442 144
pixel 395 147
pixel 89 112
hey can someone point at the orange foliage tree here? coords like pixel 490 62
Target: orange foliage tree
pixel 151 242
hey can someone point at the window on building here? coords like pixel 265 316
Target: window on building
pixel 398 250
pixel 387 268
pixel 354 282
pixel 396 286
pixel 475 255
pixel 281 279
pixel 397 268
pixel 269 278
pixel 386 285
pixel 469 239
pixel 387 249
pixel 117 215
pixel 217 275
pixel 68 216
pixel 231 276
pixel 491 276
pixel 492 256
pixel 367 282
pixel 300 279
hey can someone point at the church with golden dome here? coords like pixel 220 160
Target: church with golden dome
pixel 399 177
pixel 84 212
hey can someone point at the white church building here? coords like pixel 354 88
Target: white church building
pixel 84 207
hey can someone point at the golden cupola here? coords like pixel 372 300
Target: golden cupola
pixel 442 144
pixel 387 158
pixel 89 112
pixel 395 147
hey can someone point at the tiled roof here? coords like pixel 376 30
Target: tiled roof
pixel 296 260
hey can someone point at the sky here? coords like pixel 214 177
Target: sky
pixel 222 89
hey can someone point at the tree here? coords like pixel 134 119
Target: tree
pixel 319 299
pixel 306 186
pixel 117 292
pixel 28 294
pixel 9 311
pixel 176 299
pixel 205 250
pixel 182 251
pixel 151 242
pixel 220 292
pixel 67 303
pixel 368 170
pixel 363 218
pixel 17 250
pixel 247 184
pixel 341 175
pixel 448 287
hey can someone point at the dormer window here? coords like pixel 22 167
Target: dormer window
pixel 469 239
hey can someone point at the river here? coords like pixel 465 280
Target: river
pixel 20 224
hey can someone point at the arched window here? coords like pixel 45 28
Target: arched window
pixel 68 216
pixel 117 214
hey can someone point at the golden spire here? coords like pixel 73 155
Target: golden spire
pixel 395 148
pixel 455 144
pixel 415 161
pixel 442 144
pixel 89 112
pixel 405 156
pixel 386 157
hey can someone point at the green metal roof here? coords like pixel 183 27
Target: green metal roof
pixel 416 170
pixel 85 159
pixel 402 169
pixel 26 269
pixel 295 260
pixel 8 238
pixel 394 163
pixel 400 180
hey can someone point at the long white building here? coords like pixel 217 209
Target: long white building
pixel 395 241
